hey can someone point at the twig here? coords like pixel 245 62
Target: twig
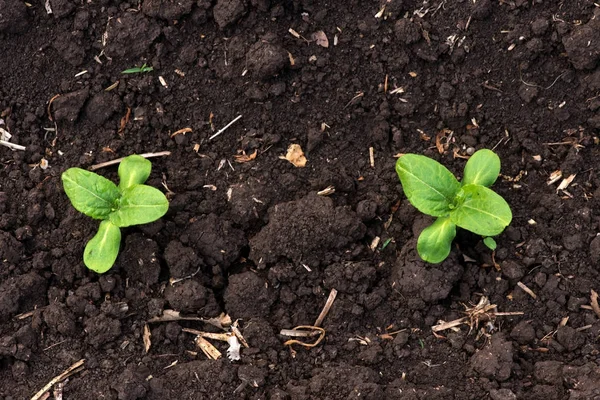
pixel 216 336
pixel 68 372
pixel 326 308
pixel 180 131
pixel 526 289
pixel 118 160
pixel 225 127
pixel 296 333
pixel 12 145
pixel 448 325
pixel 508 314
pixel 28 313
pixel 54 345
pixel 147 338
pixel 207 348
pixel 238 334
pixel 594 302
pixel 583 328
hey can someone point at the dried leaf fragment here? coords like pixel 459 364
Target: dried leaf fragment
pixel 295 155
pixel 320 38
pixel 243 157
pixel 124 121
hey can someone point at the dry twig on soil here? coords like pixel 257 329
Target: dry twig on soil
pixel 225 127
pixel 327 307
pixel 483 311
pixel 118 160
pixel 73 369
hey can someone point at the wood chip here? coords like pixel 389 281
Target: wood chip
pixel 207 348
pixel 295 155
pixel 554 177
pixel 294 33
pixel 146 338
pixel 566 182
pixel 527 290
pixel 320 39
pixel 327 191
pixel 594 302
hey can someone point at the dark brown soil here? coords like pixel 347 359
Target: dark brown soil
pixel 518 76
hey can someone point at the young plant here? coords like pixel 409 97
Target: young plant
pixel 130 203
pixel 138 70
pixel 433 190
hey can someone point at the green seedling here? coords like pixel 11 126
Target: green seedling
pixel 470 204
pixel 130 203
pixel 138 70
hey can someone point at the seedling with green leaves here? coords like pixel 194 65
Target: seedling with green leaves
pixel 130 203
pixel 138 70
pixel 470 204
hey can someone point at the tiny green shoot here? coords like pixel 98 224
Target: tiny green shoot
pixel 130 203
pixel 138 70
pixel 470 204
pixel 386 243
pixel 490 243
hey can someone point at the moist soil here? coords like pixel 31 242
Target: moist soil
pixel 248 235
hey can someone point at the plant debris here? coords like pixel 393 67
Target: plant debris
pixel 73 369
pixel 483 311
pixel 242 157
pixel 320 39
pixel 295 155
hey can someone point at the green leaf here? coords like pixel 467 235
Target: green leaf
pixel 137 70
pixel 139 204
pixel 102 250
pixel 133 170
pixel 490 243
pixel 435 241
pixel 482 168
pixel 481 211
pixel 90 193
pixel 428 185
